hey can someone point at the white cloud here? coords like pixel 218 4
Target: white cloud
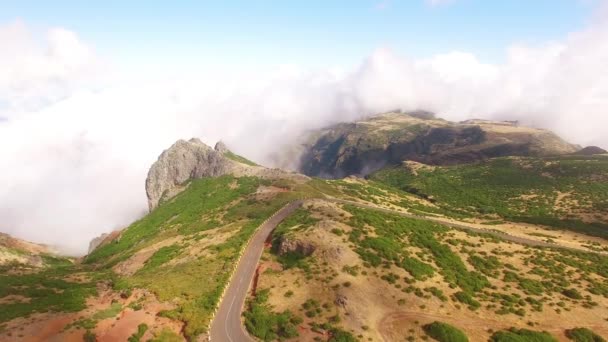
pixel 34 75
pixel 76 148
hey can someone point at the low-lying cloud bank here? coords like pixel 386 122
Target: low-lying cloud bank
pixel 76 146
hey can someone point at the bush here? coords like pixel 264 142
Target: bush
pixel 583 335
pixel 261 322
pixel 572 293
pixel 444 332
pixel 418 269
pixel 467 299
pixel 141 330
pixel 521 335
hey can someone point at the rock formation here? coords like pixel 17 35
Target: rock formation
pixel 183 161
pixel 95 242
pixel 301 247
pixel 192 159
pixel 365 146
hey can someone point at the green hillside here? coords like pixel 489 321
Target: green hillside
pixel 225 206
pixel 568 192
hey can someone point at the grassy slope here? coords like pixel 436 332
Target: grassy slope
pixel 194 283
pixel 226 203
pixel 497 186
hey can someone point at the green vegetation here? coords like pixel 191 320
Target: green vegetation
pixel 521 335
pixel 516 189
pixel 299 220
pixel 418 269
pixel 239 159
pixel 572 293
pixel 110 312
pixel 444 332
pixel 466 298
pixel 225 203
pixel 166 335
pixel 266 325
pixel 339 335
pixel 47 290
pixel 160 257
pixel 583 335
pixel 141 330
pixel 89 336
pixel 181 214
pixel 390 247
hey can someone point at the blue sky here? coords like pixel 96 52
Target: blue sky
pixel 307 33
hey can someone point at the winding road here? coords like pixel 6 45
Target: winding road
pixel 227 325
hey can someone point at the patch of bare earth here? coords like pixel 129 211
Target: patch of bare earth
pixel 53 327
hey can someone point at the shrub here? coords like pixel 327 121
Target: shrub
pixel 418 269
pixel 583 335
pixel 572 293
pixel 521 335
pixel 141 330
pixel 444 332
pixel 261 322
pixel 466 298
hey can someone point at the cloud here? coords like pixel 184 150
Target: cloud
pixel 34 75
pixel 76 146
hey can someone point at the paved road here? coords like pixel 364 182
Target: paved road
pixel 227 327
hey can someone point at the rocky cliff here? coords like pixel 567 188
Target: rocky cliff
pixel 184 160
pixel 192 159
pixel 365 146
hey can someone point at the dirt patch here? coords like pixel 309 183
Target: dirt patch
pixel 12 299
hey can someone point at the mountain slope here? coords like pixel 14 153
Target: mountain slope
pixel 569 192
pixel 365 146
pixel 17 253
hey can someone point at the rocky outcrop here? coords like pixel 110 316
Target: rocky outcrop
pixel 221 147
pixel 192 159
pixel 590 150
pixel 95 242
pixel 289 245
pixel 365 146
pixel 183 161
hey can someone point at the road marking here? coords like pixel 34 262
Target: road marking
pixel 226 321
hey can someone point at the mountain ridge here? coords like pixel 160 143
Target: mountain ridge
pixel 364 146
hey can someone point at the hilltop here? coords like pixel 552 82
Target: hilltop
pixel 364 146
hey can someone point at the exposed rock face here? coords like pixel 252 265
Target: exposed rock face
pixel 192 159
pixel 96 242
pixel 288 245
pixel 591 150
pixel 221 147
pixel 183 161
pixel 365 146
